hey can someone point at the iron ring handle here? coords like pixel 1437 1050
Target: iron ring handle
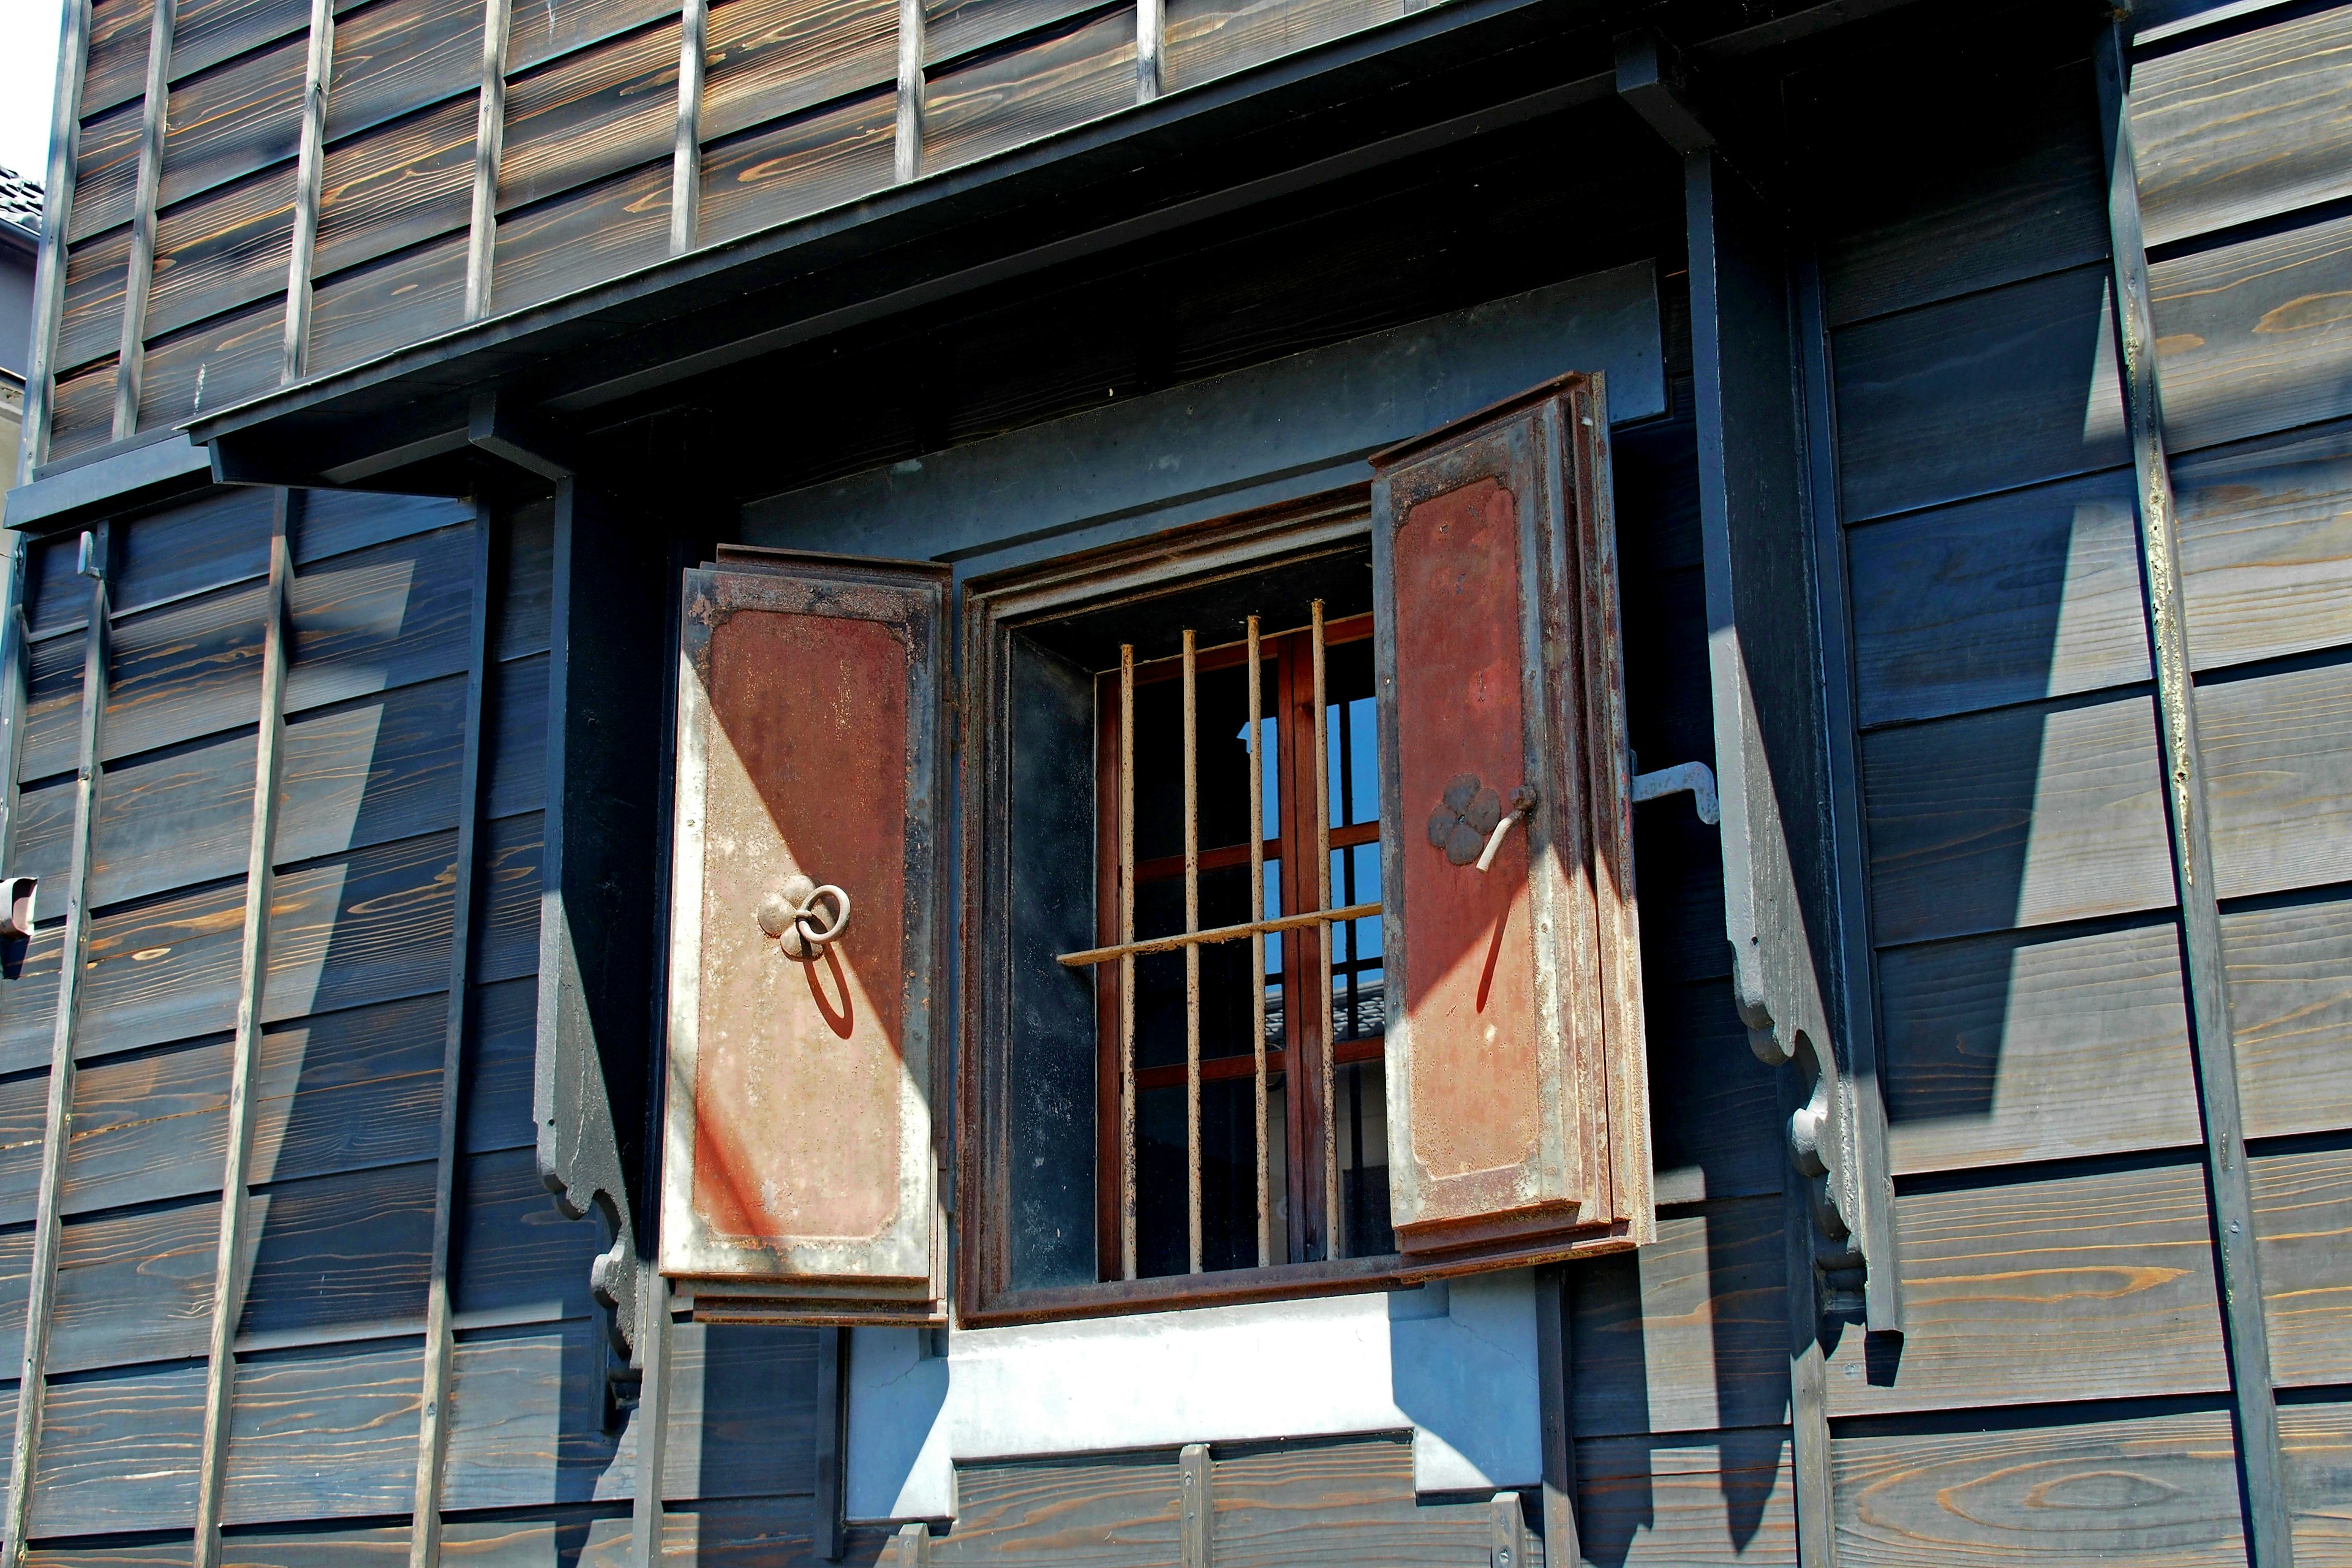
pixel 789 914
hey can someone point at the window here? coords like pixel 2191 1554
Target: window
pixel 1294 907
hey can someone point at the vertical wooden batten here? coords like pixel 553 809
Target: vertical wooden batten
pixel 685 154
pixel 1151 36
pixel 153 121
pixel 253 979
pixel 489 137
pixel 316 74
pixel 907 154
pixel 56 217
pixel 16 678
pixel 432 1415
pixel 2269 1522
pixel 1556 1433
pixel 41 1284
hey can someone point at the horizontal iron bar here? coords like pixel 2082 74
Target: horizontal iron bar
pixel 1094 956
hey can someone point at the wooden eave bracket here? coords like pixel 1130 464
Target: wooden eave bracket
pixel 1654 84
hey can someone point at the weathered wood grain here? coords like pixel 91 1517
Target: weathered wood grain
pixel 90 325
pixel 2006 1048
pixel 2303 1225
pixel 1715 1114
pixel 583 1536
pixel 1347 1500
pixel 1726 1497
pixel 135 1553
pixel 52 709
pixel 805 166
pixel 603 109
pixel 118 1451
pixel 2278 778
pixel 416 295
pixel 514 744
pixel 2253 337
pixel 506 934
pixel 742 1407
pixel 132 1288
pixel 2022 595
pixel 2266 545
pixel 1045 82
pixel 537 33
pixel 57 596
pixel 346 1250
pixel 520 1254
pixel 504 1041
pixel 953 28
pixel 324 1433
pixel 2008 388
pixel 1686 1334
pixel 106 168
pixel 2290 973
pixel 2242 127
pixel 587 237
pixel 1097 1510
pixel 396 57
pixel 2076 1286
pixel 2018 817
pixel 81 417
pixel 115 68
pixel 526 547
pixel 210 542
pixel 2160 1490
pixel 334 522
pixel 1210 39
pixel 212 366
pixel 1999 179
pixel 741 1533
pixel 394 186
pixel 233 121
pixel 770 59
pixel 206 32
pixel 2317 1442
pixel 527 1422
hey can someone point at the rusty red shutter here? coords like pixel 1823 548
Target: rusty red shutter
pixel 1519 1119
pixel 798 1172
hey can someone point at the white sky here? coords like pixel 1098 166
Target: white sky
pixel 28 64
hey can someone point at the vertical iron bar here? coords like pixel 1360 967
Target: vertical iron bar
pixel 41 1282
pixel 56 217
pixel 317 81
pixel 253 985
pixel 433 1420
pixel 130 366
pixel 1192 956
pixel 1333 1241
pixel 1257 952
pixel 489 142
pixel 1126 964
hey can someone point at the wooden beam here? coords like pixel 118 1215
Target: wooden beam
pixel 433 1418
pixel 686 152
pixel 1814 1483
pixel 1195 1511
pixel 1561 1541
pixel 832 1441
pixel 1150 27
pixel 907 157
pixel 15 672
pixel 41 1284
pixel 653 1424
pixel 129 367
pixel 316 74
pixel 489 137
pixel 253 975
pixel 2269 1522
pixel 56 217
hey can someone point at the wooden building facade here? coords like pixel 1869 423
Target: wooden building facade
pixel 503 477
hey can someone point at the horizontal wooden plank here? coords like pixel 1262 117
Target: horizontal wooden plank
pixel 57 595
pixel 743 1533
pixel 206 32
pixel 1110 1510
pixel 233 120
pixel 742 1411
pixel 1726 1497
pixel 2303 1223
pixel 2008 387
pixel 360 315
pixel 333 522
pixel 89 326
pixel 588 235
pixel 526 1421
pixel 2080 1286
pixel 2022 595
pixel 514 741
pixel 1045 82
pixel 169 820
pixel 116 1552
pixel 2316 1440
pixel 590 1536
pixel 2004 1049
pixel 1714 1108
pixel 394 186
pixel 325 1434
pixel 2251 337
pixel 1345 1499
pixel 115 68
pixel 2278 778
pixel 132 1287
pixel 210 542
pixel 346 1250
pixel 106 170
pixel 1210 39
pixel 537 33
pixel 212 366
pixel 526 572
pixel 953 28
pixel 2001 178
pixel 502 1052
pixel 81 417
pixel 1688 1334
pixel 801 167
pixel 53 705
pixel 506 928
pixel 521 1254
pixel 2266 545
pixel 118 1451
pixel 766 60
pixel 2289 977
pixel 2242 127
pixel 2158 1490
pixel 590 114
pixel 396 57
pixel 2019 817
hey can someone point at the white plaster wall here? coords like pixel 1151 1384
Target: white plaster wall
pixel 1456 1364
